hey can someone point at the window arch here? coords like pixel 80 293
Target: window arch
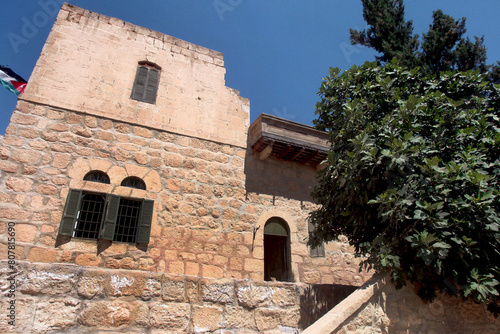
pixel 276 250
pixel 146 82
pixel 96 176
pixel 133 182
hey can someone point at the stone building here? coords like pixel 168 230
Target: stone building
pixel 135 197
pixel 128 153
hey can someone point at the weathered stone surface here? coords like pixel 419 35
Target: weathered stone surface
pixel 222 293
pixel 172 289
pixel 206 318
pixel 56 314
pixel 193 294
pixel 64 312
pixel 170 316
pixel 251 295
pixel 267 318
pixel 8 167
pixel 107 314
pixel 290 317
pixel 142 315
pixel 46 255
pixel 50 281
pixel 19 184
pixel 25 156
pixel 26 232
pixel 87 259
pixel 24 309
pixel 284 295
pixel 152 287
pixel 238 317
pixel 126 284
pixel 91 284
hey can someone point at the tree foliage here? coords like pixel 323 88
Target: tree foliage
pixel 443 47
pixel 388 33
pixel 413 176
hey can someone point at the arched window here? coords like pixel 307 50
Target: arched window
pixel 146 82
pixel 276 250
pixel 133 182
pixel 96 176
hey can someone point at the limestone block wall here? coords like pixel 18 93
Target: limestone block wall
pixel 286 188
pixel 209 198
pixel 89 63
pixel 74 299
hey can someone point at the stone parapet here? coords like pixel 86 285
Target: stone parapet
pixel 64 298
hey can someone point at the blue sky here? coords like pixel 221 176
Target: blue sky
pixel 275 52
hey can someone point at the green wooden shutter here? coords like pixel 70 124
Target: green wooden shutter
pixel 108 229
pixel 319 251
pixel 151 85
pixel 70 212
pixel 140 83
pixel 145 221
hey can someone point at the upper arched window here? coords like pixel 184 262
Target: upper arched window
pixel 146 82
pixel 133 182
pixel 96 176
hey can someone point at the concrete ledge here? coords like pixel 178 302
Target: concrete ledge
pixel 331 321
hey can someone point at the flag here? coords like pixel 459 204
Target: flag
pixel 12 81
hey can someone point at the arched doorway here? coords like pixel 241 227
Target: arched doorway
pixel 276 250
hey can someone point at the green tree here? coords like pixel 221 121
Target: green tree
pixel 413 176
pixel 443 47
pixel 388 32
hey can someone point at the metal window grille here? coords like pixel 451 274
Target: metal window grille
pixel 128 220
pixel 133 182
pixel 88 222
pixel 96 176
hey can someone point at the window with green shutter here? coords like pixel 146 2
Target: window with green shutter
pixel 146 82
pixel 91 215
pixel 318 251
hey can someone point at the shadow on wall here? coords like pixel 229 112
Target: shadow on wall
pixel 278 178
pixel 317 300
